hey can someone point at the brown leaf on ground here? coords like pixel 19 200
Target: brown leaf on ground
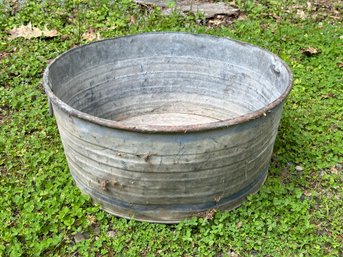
pixel 309 6
pixel 327 96
pixel 2 118
pixel 4 55
pixel 276 17
pixel 334 170
pixel 242 16
pixel 91 35
pixel 210 214
pixel 222 20
pixel 91 219
pixel 216 22
pixel 14 4
pixel 307 193
pixel 28 32
pixel 310 51
pixel 231 253
pixel 132 20
pixel 50 33
pixel 111 233
pixel 336 15
pixel 340 65
pixel 301 14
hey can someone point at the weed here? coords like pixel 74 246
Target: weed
pixel 296 213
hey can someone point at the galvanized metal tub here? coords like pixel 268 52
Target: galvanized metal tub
pixel 164 126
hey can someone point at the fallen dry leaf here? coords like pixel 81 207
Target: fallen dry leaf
pixel 3 113
pixel 232 254
pixel 25 31
pixel 336 15
pixel 309 6
pixel 216 22
pixel 91 219
pixel 50 33
pixel 219 20
pixel 4 55
pixel 301 14
pixel 334 170
pixel 327 96
pixel 111 233
pixel 15 5
pixel 276 17
pixel 91 35
pixel 310 51
pixel 210 214
pixel 307 193
pixel 242 16
pixel 132 20
pixel 28 32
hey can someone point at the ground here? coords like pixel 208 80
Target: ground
pixel 298 212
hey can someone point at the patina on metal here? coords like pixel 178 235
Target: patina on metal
pixel 164 126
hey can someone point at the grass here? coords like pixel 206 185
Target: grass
pixel 297 212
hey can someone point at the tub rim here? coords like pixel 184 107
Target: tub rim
pixel 158 128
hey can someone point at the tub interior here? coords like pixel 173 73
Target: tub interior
pixel 168 79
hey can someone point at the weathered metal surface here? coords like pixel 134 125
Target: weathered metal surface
pixel 163 126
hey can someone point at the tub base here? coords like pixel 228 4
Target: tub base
pixel 171 214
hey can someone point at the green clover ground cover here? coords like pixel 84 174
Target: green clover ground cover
pixel 298 212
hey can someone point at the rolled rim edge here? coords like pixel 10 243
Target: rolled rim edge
pixel 168 129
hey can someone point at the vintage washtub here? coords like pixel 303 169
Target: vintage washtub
pixel 164 126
